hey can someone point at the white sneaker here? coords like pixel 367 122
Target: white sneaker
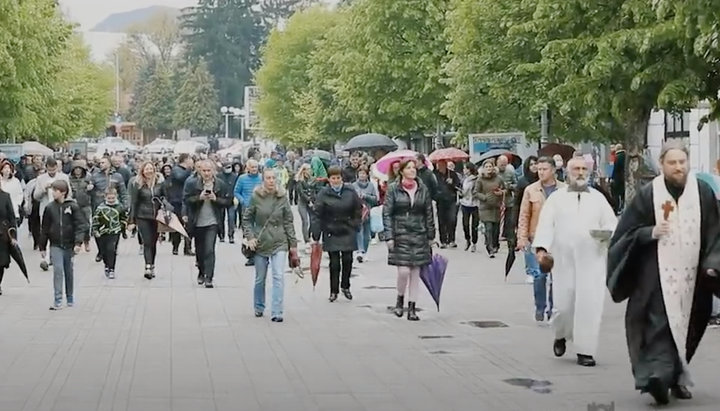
pixel 529 279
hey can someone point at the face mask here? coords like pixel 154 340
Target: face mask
pixel 558 164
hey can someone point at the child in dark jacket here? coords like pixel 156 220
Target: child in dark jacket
pixel 108 223
pixel 64 226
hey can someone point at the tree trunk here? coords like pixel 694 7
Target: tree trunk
pixel 635 173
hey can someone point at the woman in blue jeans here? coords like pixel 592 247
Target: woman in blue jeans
pixel 368 194
pixel 269 231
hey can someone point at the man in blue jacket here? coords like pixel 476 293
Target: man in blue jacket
pixel 244 187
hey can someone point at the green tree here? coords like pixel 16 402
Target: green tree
pixel 197 105
pixel 141 88
pixel 611 63
pixel 284 76
pixel 158 107
pixel 33 37
pixel 390 73
pixel 227 35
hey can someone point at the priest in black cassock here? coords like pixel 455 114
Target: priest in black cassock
pixel 665 257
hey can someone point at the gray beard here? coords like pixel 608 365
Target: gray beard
pixel 578 185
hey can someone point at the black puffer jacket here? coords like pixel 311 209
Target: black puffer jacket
pixel 144 201
pixel 63 225
pixel 411 227
pixel 79 184
pixel 337 218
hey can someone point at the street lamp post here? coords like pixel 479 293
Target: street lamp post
pixel 235 113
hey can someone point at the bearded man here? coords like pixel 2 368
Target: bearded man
pixel 574 227
pixel 665 257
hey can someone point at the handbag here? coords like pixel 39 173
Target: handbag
pixel 245 248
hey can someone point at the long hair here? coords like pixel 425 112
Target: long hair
pixel 141 180
pixel 304 173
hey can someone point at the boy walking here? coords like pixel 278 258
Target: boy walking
pixel 64 226
pixel 108 222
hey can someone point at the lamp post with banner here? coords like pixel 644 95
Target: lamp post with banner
pixel 235 113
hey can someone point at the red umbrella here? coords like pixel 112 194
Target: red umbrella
pixel 448 154
pixel 315 257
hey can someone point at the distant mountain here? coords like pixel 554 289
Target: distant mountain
pixel 122 22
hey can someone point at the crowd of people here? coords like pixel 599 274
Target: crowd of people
pixel 664 249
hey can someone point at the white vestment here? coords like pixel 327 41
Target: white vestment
pixel 579 272
pixel 678 258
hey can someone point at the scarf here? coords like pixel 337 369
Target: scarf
pixel 408 184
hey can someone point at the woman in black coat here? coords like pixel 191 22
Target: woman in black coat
pixel 338 214
pixel 146 193
pixel 7 222
pixel 409 230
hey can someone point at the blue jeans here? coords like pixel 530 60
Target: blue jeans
pixel 543 299
pixel 364 235
pixel 276 263
pixel 231 213
pixel 62 272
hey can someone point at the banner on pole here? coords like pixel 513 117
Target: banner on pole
pixel 252 95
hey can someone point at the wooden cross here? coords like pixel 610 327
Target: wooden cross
pixel 667 208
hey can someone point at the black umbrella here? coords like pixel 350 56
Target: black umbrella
pixel 371 141
pixel 514 159
pixel 509 261
pixel 16 254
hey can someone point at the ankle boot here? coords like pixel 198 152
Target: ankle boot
pixel 411 312
pixel 399 306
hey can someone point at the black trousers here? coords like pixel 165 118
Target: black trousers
pixel 492 236
pixel 107 246
pixel 470 220
pixel 292 193
pixel 205 238
pixel 148 231
pixel 447 221
pixel 34 223
pixel 340 261
pixel 2 274
pixel 508 228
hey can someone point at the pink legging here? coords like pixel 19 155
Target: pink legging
pixel 408 277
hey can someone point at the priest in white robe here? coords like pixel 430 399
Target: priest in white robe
pixel 665 257
pixel 575 226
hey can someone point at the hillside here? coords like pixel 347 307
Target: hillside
pixel 121 22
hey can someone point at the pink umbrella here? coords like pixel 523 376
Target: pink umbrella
pixel 448 154
pixel 383 165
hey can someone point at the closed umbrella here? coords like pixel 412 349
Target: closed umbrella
pixel 371 141
pixel 448 154
pixel 315 257
pixel 16 253
pixel 433 275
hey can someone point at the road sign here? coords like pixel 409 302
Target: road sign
pixel 13 151
pixel 75 147
pixel 252 95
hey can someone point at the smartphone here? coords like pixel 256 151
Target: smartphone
pixel 208 192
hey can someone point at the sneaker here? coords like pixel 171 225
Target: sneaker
pixel 258 314
pixel 529 279
pixel 453 245
pixel 175 252
pixel 473 248
pixel 98 258
pixel 200 279
pixel 539 317
pixel 360 258
pixel 111 274
pixel 222 239
pixel 70 304
pixel 56 307
pixel 442 245
pixel 148 272
pixel 209 284
pixel 492 255
pixel 44 265
pixel 714 322
pixel 107 272
pixel 277 319
pixel 232 240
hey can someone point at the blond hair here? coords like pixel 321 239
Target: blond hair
pixel 140 179
pixel 304 172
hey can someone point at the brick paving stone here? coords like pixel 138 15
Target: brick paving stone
pixel 167 344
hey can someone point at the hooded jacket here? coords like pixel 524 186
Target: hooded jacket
pixel 272 211
pixel 80 184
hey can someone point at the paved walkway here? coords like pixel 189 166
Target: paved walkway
pixel 133 344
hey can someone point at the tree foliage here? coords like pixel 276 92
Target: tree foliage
pixel 158 106
pixel 286 106
pixel 228 35
pixel 49 88
pixel 197 105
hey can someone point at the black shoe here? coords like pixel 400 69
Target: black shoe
pixel 347 294
pixel 443 245
pixel 399 306
pixel 232 240
pixel 98 258
pixel 467 246
pixel 585 360
pixel 258 314
pixel 277 319
pixel 559 347
pixel 176 252
pixel 222 239
pixel 412 316
pixel 680 392
pixel 209 284
pixel 658 390
pixel 249 263
pixel 189 253
pixel 148 272
pixel 44 265
pixel 452 245
pixel 333 297
pixel 201 279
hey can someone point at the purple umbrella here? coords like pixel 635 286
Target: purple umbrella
pixel 432 275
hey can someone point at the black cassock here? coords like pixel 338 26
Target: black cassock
pixel 632 273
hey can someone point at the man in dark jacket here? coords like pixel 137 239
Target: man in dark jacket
pixel 426 176
pixel 174 191
pixel 349 173
pixel 228 177
pixel 617 185
pixel 206 199
pixel 448 185
pixel 80 188
pixel 64 226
